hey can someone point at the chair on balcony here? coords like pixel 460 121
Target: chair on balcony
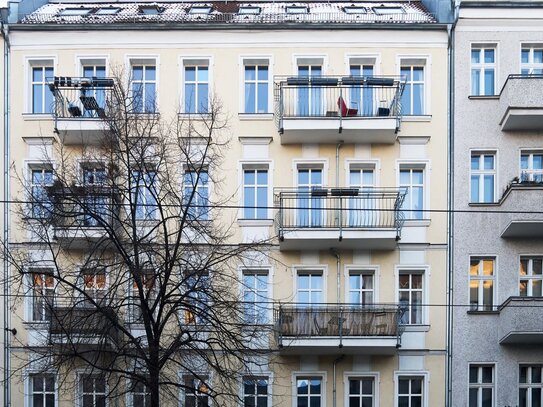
pixel 345 111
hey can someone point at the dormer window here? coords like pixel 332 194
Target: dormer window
pixel 249 10
pixel 200 10
pixel 107 11
pixel 150 10
pixel 387 10
pixel 355 10
pixel 297 10
pixel 81 11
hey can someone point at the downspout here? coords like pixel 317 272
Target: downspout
pixel 6 199
pixel 339 209
pixel 334 391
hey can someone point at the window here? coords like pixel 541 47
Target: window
pixel 310 206
pixel 256 88
pixel 150 10
pixel 196 391
pixel 197 288
pixel 361 287
pixel 531 167
pixel 481 284
pixel 388 10
pixel 297 10
pixel 249 10
pixel 196 194
pixel 410 391
pixel 309 392
pixel 140 395
pixel 362 96
pixel 410 296
pixel 255 296
pixel 255 391
pixel 148 295
pixel 483 177
pixel 95 206
pixel 355 10
pixel 309 287
pixel 106 11
pixel 42 390
pixel 481 386
pixel 94 286
pixel 255 193
pixel 531 276
pixel 199 10
pixel 144 194
pixel 40 179
pixel 310 98
pixel 196 88
pixel 413 102
pixel 42 97
pixel 81 11
pixel 144 88
pixel 413 180
pixel 530 392
pixel 92 391
pixel 362 211
pixel 98 93
pixel 483 70
pixel 361 392
pixel 42 294
pixel 531 60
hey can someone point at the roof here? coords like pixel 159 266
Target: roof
pixel 231 12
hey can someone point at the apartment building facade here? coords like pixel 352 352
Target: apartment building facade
pixel 337 157
pixel 496 353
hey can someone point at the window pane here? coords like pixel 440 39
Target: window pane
pixel 487 398
pixel 250 73
pixel 489 188
pixel 489 56
pixel 489 162
pixel 524 55
pixel 475 56
pixel 489 82
pixel 475 82
pixel 475 188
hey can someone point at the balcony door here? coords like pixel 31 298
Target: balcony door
pixel 95 208
pixel 310 206
pixel 362 96
pixel 362 208
pixel 98 93
pixel 310 100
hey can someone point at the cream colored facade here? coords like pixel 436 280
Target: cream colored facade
pixel 419 148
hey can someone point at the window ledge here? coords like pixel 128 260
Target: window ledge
pixel 417 222
pixel 194 116
pixel 37 116
pixel 419 118
pixel 483 204
pixel 416 328
pixel 36 324
pixel 255 222
pixel 255 116
pixel 483 312
pixel 484 97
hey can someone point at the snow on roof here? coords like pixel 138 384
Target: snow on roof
pixel 406 12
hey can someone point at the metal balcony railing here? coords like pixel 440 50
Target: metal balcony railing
pixel 81 98
pixel 339 208
pixel 339 97
pixel 80 324
pixel 338 320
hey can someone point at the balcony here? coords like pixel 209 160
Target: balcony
pixel 521 103
pixel 344 218
pixel 81 108
pixel 83 326
pixel 521 321
pixel 521 206
pixel 327 109
pixel 333 328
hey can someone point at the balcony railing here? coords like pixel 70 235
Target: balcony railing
pixel 341 98
pixel 338 321
pixel 339 208
pixel 521 103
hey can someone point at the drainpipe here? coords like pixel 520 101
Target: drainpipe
pixel 335 253
pixel 334 391
pixel 339 211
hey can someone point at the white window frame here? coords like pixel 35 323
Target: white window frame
pixel 361 269
pixel 530 66
pixel 482 66
pixel 30 296
pixel 480 173
pixel 28 386
pixel 142 190
pixel 528 175
pixel 130 395
pixel 412 374
pixel 359 375
pixel 91 60
pixel 151 296
pixel 207 214
pixel 267 375
pixel 312 270
pixel 36 62
pixel 257 270
pixel 423 165
pixel 256 166
pixel 308 374
pixel 79 390
pixel 196 61
pixel 417 61
pixel 479 385
pixel 256 60
pixel 424 271
pixel 480 278
pixel 98 295
pixel 185 375
pixel 152 61
pixel 529 385
pixel 32 166
pixel 529 277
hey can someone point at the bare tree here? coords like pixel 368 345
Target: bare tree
pixel 130 261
